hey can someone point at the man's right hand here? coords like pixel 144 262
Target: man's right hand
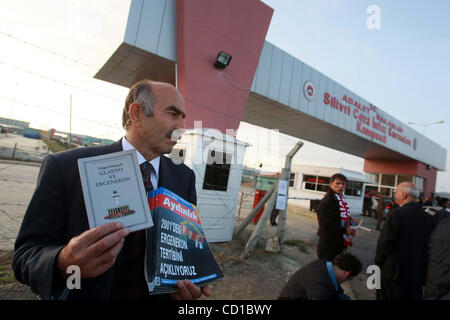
pixel 94 251
pixel 351 232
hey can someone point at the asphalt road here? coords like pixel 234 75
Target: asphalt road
pixel 17 183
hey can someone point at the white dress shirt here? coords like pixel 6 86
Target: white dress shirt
pixel 154 177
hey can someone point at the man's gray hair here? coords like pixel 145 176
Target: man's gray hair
pixel 140 92
pixel 413 192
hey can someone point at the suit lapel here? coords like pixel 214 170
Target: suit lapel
pixel 165 173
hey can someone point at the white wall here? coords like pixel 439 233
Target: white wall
pixel 217 208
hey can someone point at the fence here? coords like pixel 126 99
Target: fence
pixel 16 147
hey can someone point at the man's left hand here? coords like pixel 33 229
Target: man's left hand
pixel 189 291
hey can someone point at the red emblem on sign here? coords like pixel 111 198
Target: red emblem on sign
pixel 309 89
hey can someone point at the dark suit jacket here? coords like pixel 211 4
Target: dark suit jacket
pixel 310 282
pixel 57 213
pixel 438 273
pixel 329 218
pixel 402 248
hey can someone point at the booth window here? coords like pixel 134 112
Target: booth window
pixel 316 183
pixel 401 179
pixel 371 189
pixel 292 180
pixel 373 178
pixel 217 174
pixel 388 180
pixel 323 184
pixel 309 182
pixel 353 188
pixel 419 183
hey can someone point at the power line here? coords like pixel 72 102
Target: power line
pixel 57 81
pixel 60 113
pixel 47 50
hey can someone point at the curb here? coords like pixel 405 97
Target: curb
pixel 23 163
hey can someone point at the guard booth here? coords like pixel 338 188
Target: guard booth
pixel 262 184
pixel 217 161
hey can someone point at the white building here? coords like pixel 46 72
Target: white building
pixel 217 161
pixel 312 182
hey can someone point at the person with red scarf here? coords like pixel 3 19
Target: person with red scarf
pixel 335 224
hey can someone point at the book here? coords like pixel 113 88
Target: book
pixel 180 249
pixel 113 190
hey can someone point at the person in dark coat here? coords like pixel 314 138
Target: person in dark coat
pixel 55 232
pixel 331 232
pixel 428 202
pixel 402 248
pixel 321 279
pixel 273 217
pixel 367 204
pixel 380 211
pixel 443 213
pixel 437 286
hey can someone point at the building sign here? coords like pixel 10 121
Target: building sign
pixel 309 89
pixel 369 121
pixel 282 195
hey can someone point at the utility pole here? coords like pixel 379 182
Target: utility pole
pixel 271 199
pixel 256 234
pixel 285 175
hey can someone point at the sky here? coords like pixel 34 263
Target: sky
pixel 51 50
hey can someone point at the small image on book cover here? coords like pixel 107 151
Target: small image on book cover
pixel 181 250
pixel 119 210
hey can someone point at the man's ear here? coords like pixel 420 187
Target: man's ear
pixel 135 112
pixel 347 274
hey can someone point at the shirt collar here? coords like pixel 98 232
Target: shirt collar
pixel 155 162
pixel 332 275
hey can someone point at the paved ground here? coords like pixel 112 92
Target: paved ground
pixel 17 183
pixel 262 275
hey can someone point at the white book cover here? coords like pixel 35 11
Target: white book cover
pixel 113 190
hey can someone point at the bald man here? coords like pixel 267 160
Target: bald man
pixel 402 246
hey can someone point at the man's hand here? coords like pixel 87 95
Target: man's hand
pixel 94 251
pixel 351 231
pixel 189 291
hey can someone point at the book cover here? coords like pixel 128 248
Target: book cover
pixel 113 190
pixel 181 250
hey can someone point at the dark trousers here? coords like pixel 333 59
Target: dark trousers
pixel 329 249
pixel 273 216
pixel 394 290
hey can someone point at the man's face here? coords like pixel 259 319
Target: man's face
pixel 168 115
pixel 338 186
pixel 400 194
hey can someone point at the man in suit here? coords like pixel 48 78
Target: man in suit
pixel 332 230
pixel 55 231
pixel 443 213
pixel 401 251
pixel 321 279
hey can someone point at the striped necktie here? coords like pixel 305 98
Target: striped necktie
pixel 146 170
